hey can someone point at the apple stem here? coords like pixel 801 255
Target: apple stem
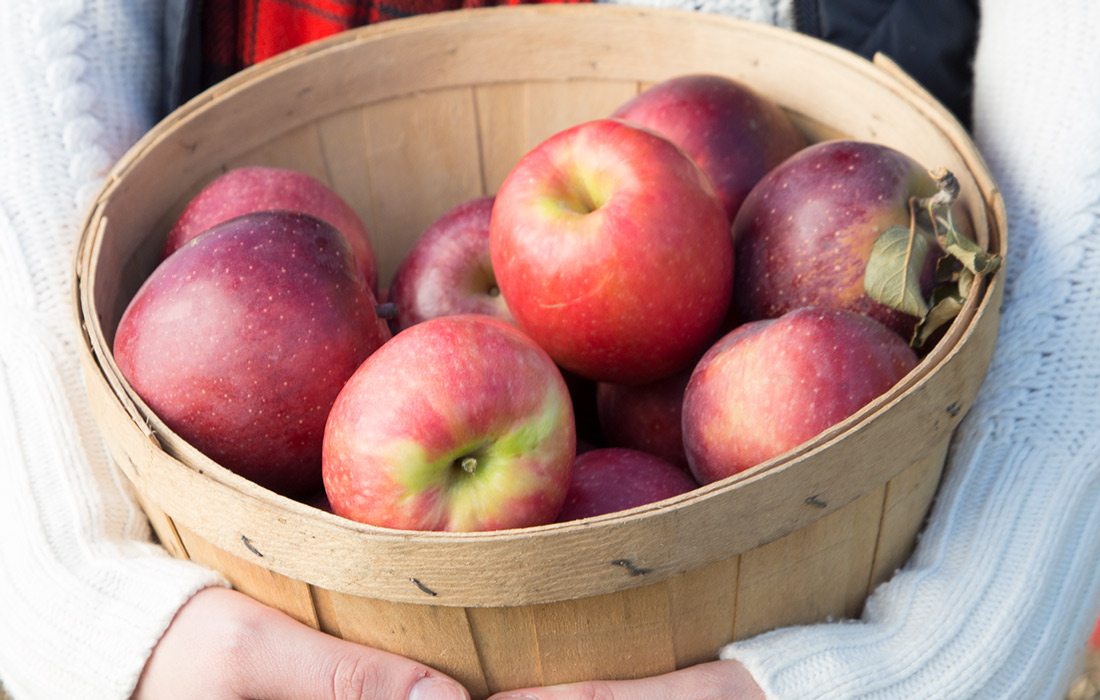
pixel 468 464
pixel 947 191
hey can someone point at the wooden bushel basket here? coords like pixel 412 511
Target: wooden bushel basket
pixel 405 120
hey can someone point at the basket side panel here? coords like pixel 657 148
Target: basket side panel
pixel 513 118
pixel 508 646
pixel 702 604
pixel 272 589
pixel 343 138
pixel 298 149
pixel 908 497
pixel 164 528
pixel 813 573
pixel 616 635
pixel 438 636
pixel 422 153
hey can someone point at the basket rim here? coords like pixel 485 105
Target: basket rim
pixel 981 303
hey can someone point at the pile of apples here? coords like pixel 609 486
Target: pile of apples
pixel 687 284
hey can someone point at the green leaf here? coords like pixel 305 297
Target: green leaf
pixel 943 311
pixel 893 270
pixel 969 253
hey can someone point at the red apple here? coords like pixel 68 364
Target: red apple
pixel 252 189
pixel 1094 640
pixel 448 271
pixel 241 341
pixel 458 423
pixel 732 133
pixel 645 417
pixel 805 232
pixel 614 479
pixel 769 386
pixel 613 252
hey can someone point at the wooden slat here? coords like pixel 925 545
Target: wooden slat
pixel 503 130
pixel 343 140
pixel 286 594
pixel 702 604
pixel 576 636
pixel 508 646
pixel 554 106
pixel 164 528
pixel 812 574
pixel 908 496
pixel 437 636
pixel 513 118
pixel 297 149
pixel 422 153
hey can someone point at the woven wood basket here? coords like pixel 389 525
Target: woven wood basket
pixel 405 120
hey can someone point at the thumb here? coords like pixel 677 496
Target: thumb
pixel 223 645
pixel 290 661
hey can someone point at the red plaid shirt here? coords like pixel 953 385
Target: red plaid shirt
pixel 238 33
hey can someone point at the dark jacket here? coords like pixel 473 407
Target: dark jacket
pixel 931 39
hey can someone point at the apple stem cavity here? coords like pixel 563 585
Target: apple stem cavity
pixel 898 256
pixel 494 291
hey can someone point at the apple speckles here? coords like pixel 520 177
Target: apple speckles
pixel 247 393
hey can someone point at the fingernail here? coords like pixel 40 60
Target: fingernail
pixel 436 689
pixel 514 696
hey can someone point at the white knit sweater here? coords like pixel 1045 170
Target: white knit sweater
pixel 996 601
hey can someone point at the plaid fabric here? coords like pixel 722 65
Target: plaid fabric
pixel 238 33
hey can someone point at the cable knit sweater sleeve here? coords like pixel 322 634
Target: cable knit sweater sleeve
pixel 84 595
pixel 996 601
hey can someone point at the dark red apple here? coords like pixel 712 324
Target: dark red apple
pixel 448 271
pixel 241 341
pixel 731 132
pixel 770 386
pixel 255 188
pixel 645 417
pixel 613 252
pixel 805 232
pixel 614 479
pixel 458 423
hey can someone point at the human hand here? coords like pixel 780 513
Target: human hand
pixel 717 680
pixel 222 645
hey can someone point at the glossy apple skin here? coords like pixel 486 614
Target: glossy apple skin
pixel 448 271
pixel 613 252
pixel 733 134
pixel 241 341
pixel 646 417
pixel 255 188
pixel 614 479
pixel 805 232
pixel 442 391
pixel 770 386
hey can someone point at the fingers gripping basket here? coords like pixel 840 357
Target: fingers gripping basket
pixel 405 120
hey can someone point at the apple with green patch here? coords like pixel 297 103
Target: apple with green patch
pixel 459 423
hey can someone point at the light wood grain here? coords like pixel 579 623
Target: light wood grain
pixel 816 572
pixel 796 539
pixel 289 595
pixel 438 636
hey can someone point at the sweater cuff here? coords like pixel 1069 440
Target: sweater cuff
pixel 122 613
